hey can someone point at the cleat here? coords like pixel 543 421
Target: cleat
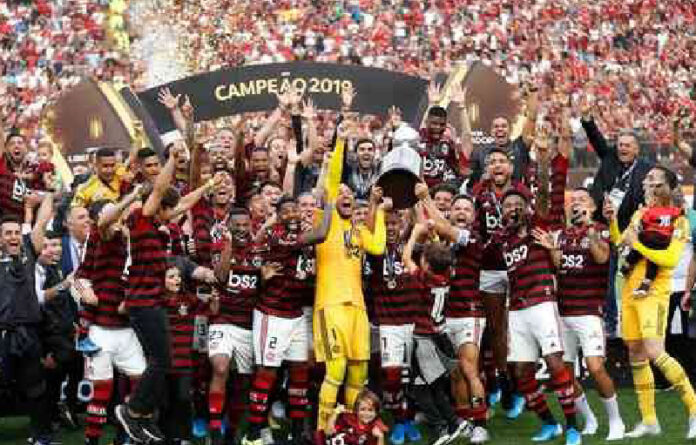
pixel 573 437
pixel 87 346
pixel 132 426
pixel 199 428
pixel 691 432
pixel 412 432
pixel 494 397
pixel 590 428
pixel 642 430
pixel 516 409
pixel 443 439
pixel 479 435
pixel 463 429
pixel 548 432
pixel 617 430
pixel 151 430
pixel 397 436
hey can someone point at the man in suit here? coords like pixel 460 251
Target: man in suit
pixel 619 178
pixel 75 240
pixel 74 243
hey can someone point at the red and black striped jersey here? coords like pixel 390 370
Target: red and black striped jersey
pixel 207 223
pixel 304 280
pixel 391 289
pixel 557 182
pixel 278 297
pixel 240 294
pixel 12 191
pixel 431 302
pixel 148 249
pixel 103 265
pixel 349 431
pixel 439 159
pixel 530 271
pixel 465 298
pixel 582 282
pixel 490 220
pixel 181 312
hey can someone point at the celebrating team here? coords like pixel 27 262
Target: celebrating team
pixel 461 295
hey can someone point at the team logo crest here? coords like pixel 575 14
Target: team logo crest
pixel 183 310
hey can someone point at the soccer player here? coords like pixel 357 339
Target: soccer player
pixel 392 293
pixel 534 322
pixel 12 187
pixel 581 255
pixel 279 326
pixel 644 317
pixel 148 253
pixel 102 271
pixel 465 317
pixel 434 352
pixel 443 158
pixel 230 337
pixel 341 328
pixel 494 282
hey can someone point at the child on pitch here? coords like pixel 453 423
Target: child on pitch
pixel 363 426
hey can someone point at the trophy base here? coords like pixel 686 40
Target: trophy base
pixel 399 184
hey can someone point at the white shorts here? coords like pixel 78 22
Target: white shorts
pixel 494 282
pixel 234 342
pixel 396 345
pixel 585 331
pixel 120 348
pixel 277 339
pixel 465 330
pixel 534 328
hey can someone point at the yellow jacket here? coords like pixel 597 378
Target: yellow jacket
pixel 665 259
pixel 340 257
pixel 96 190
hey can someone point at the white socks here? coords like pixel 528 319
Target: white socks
pixel 590 420
pixel 611 405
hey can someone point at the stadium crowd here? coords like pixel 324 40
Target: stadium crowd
pixel 261 246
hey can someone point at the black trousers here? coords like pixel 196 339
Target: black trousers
pixel 152 329
pixel 70 366
pixel 434 401
pixel 25 369
pixel 177 416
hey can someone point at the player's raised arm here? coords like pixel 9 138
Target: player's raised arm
pixel 418 231
pixel 318 234
pixel 375 242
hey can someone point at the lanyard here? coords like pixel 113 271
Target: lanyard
pixel 622 182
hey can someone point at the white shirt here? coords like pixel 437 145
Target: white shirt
pixel 39 281
pixel 77 251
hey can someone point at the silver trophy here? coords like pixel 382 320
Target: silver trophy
pixel 401 168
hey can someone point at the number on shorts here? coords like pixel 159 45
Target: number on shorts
pixel 272 342
pixel 338 439
pixel 215 335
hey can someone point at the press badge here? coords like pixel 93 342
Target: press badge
pixel 616 196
